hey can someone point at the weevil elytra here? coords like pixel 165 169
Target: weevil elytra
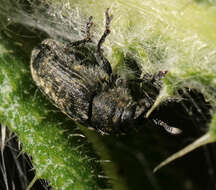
pixel 78 79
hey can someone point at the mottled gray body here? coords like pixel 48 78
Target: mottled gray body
pixel 78 79
pixel 73 79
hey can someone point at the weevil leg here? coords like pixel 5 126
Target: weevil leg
pixel 106 32
pixel 133 65
pixel 145 89
pixel 154 79
pixel 169 129
pixel 105 63
pixel 88 35
pixel 158 76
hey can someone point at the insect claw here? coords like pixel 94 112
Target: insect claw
pixel 173 130
pixel 169 129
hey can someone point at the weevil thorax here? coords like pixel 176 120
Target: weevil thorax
pixel 113 110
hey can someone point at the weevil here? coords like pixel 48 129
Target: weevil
pixel 78 79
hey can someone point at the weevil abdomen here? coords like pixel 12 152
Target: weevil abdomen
pixel 62 80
